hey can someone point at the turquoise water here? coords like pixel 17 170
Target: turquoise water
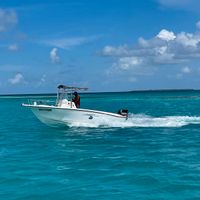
pixel 156 155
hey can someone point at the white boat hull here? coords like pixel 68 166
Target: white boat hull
pixel 55 116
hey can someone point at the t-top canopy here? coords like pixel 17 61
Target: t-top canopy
pixel 65 87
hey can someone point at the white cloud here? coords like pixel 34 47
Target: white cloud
pixel 164 48
pixel 53 56
pixel 146 56
pixel 66 43
pixel 142 42
pixel 161 50
pixel 166 35
pixel 198 24
pixel 13 47
pixel 186 70
pixel 18 78
pixel 8 18
pixel 109 50
pixel 126 63
pixel 188 39
pixel 42 81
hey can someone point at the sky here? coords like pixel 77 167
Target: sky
pixel 105 45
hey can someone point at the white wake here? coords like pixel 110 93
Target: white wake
pixel 143 121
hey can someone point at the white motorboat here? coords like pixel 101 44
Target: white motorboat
pixel 65 112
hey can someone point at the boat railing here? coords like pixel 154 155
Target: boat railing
pixel 41 102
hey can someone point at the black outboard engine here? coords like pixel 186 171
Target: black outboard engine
pixel 123 112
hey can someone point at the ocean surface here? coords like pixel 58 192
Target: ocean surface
pixel 154 155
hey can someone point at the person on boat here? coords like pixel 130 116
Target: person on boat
pixel 76 99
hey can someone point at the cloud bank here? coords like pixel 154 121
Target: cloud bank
pixel 164 48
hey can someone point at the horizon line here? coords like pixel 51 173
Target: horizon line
pixel 139 90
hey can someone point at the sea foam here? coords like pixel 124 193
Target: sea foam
pixel 141 120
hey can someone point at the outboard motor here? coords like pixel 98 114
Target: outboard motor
pixel 123 112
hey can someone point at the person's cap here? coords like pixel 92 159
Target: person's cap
pixel 75 93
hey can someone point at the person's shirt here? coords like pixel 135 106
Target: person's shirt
pixel 76 100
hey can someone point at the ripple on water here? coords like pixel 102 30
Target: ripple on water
pixel 143 162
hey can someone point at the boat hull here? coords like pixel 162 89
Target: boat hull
pixel 55 116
